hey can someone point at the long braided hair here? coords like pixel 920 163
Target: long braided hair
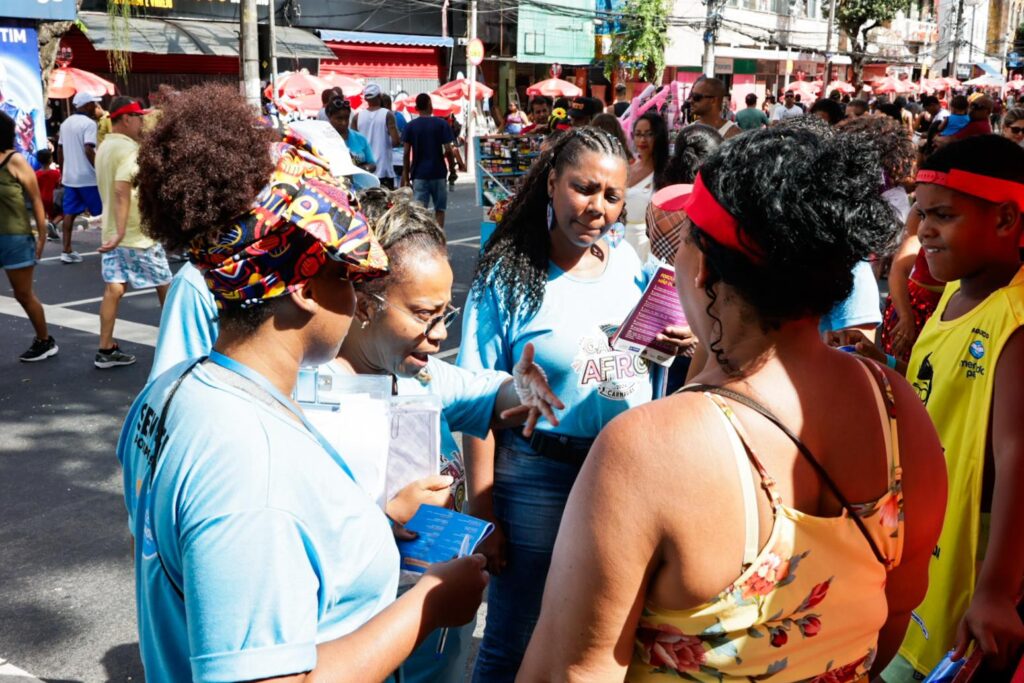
pixel 515 258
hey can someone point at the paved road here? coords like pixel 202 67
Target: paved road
pixel 67 608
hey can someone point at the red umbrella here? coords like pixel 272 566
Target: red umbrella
pixel 459 89
pixel 841 86
pixel 804 88
pixel 442 105
pixel 891 84
pixel 300 90
pixel 554 87
pixel 352 87
pixel 66 81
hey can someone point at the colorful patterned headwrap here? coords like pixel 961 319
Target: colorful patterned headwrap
pixel 302 217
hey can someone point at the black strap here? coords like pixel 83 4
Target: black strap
pixel 154 456
pixel 806 452
pixel 6 159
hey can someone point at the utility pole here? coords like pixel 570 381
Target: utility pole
pixel 828 48
pixel 956 36
pixel 249 54
pixel 710 35
pixel 272 31
pixel 472 91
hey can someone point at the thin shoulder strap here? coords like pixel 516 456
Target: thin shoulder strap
pixel 768 415
pixel 7 158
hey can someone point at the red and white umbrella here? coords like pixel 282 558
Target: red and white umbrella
pixel 1016 84
pixel 891 84
pixel 66 81
pixel 555 87
pixel 442 105
pixel 299 90
pixel 841 86
pixel 459 89
pixel 352 87
pixel 804 88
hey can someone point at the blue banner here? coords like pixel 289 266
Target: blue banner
pixel 21 87
pixel 63 10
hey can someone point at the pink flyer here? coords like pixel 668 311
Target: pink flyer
pixel 657 309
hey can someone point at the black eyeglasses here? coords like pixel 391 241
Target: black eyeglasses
pixel 1016 130
pixel 445 319
pixel 697 97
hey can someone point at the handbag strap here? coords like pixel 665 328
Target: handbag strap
pixel 804 451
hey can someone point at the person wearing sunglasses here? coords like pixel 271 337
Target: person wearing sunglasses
pixel 339 113
pixel 402 319
pixel 788 110
pixel 706 104
pixel 1013 125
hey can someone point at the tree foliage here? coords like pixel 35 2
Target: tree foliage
pixel 856 17
pixel 640 45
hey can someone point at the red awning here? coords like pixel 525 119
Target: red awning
pixel 383 61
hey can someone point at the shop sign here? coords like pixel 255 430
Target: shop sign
pixel 21 86
pixel 723 65
pixel 475 52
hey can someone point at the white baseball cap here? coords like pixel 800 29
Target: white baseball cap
pixel 372 90
pixel 83 98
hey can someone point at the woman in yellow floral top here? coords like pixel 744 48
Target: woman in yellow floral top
pixel 704 540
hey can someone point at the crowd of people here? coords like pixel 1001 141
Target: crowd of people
pixel 808 502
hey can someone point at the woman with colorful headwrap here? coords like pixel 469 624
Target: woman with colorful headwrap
pixel 257 555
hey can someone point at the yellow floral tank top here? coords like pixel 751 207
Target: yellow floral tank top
pixel 807 606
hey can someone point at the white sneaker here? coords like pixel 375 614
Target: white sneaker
pixel 70 257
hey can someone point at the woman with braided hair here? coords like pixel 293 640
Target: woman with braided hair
pixel 548 277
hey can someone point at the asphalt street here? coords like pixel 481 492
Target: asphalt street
pixel 67 606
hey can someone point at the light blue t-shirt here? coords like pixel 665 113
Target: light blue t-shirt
pixel 862 307
pixel 595 382
pixel 188 322
pixel 467 405
pixel 359 147
pixel 274 546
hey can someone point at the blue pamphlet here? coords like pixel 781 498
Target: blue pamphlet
pixel 443 535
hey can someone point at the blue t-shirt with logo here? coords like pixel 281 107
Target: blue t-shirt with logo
pixel 428 135
pixel 359 148
pixel 188 321
pixel 274 546
pixel 595 382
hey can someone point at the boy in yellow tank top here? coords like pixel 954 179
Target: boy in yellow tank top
pixel 968 368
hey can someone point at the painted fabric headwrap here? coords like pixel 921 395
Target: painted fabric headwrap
pixel 996 190
pixel 302 217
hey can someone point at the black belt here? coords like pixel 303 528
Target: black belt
pixel 568 449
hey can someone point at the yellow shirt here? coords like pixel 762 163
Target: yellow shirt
pixel 953 368
pixel 116 161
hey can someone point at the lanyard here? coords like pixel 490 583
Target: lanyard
pixel 262 382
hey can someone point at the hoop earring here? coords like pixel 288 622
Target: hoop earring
pixel 364 324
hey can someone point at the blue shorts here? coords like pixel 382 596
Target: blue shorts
pixel 17 251
pixel 425 191
pixel 79 199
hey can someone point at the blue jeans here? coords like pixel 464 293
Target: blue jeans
pixel 530 492
pixel 427 191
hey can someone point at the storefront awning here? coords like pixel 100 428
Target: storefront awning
pixel 989 69
pixel 359 37
pixel 182 37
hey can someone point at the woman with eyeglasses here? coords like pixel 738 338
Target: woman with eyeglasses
pixel 402 319
pixel 339 112
pixel 646 175
pixel 1013 125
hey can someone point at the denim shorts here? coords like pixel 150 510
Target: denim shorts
pixel 425 191
pixel 17 251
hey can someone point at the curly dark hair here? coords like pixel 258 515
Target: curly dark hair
pixel 202 165
pixel 694 144
pixel 810 241
pixel 990 155
pixel 610 124
pixel 659 145
pixel 885 137
pixel 831 108
pixel 515 258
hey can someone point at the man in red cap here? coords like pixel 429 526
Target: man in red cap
pixel 129 256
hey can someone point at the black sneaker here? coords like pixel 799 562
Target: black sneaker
pixel 112 358
pixel 41 349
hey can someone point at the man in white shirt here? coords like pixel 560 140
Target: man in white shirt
pixel 787 110
pixel 379 127
pixel 77 157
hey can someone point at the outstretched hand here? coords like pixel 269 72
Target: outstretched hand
pixel 535 396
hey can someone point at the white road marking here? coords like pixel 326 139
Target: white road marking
pixel 465 240
pixel 57 258
pixel 85 322
pixel 97 299
pixel 8 669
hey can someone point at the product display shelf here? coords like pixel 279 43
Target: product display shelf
pixel 500 160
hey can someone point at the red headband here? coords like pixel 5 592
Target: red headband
pixel 711 217
pixel 985 187
pixel 131 108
